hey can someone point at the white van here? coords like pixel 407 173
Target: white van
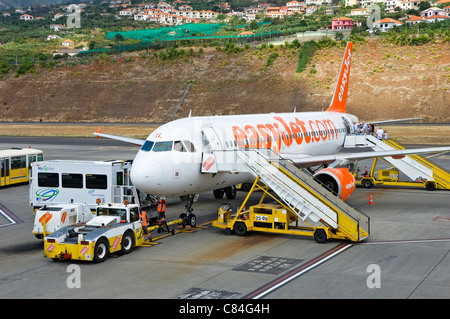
pixel 67 181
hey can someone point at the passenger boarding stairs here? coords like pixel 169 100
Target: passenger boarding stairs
pixel 308 199
pixel 440 175
pixel 415 167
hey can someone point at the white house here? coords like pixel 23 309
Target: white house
pixel 410 4
pixel 141 16
pixel 437 17
pixel 360 12
pixel 68 43
pixel 126 13
pixel 392 4
pixel 57 16
pixel 351 3
pixel 414 20
pixel 386 24
pixel 432 12
pixel 57 27
pixel 69 52
pixel 447 10
pixel 26 17
pixel 52 37
pixel 295 6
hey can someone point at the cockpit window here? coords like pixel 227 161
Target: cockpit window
pixel 147 146
pixel 190 147
pixel 163 146
pixel 179 146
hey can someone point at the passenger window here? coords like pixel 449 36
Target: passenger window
pixel 18 162
pixel 48 179
pixel 163 146
pixel 190 147
pixel 72 180
pixel 96 181
pixel 147 146
pixel 178 146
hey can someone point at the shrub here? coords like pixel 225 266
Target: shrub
pixel 305 55
pixel 271 58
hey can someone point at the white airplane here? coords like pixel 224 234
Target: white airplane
pixel 170 160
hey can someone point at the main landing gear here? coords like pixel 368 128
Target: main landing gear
pixel 229 191
pixel 188 217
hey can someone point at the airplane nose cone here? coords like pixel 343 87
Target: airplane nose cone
pixel 147 175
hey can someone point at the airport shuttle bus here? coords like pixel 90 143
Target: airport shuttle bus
pixel 15 164
pixel 81 182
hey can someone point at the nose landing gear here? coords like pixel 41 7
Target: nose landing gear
pixel 188 217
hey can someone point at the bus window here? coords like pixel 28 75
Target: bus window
pixel 72 180
pixel 163 146
pixel 40 157
pixel 96 181
pixel 18 162
pixel 48 179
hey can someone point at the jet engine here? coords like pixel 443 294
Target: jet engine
pixel 339 180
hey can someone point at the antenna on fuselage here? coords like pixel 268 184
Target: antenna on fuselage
pixel 190 113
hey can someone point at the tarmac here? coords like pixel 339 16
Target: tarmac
pixel 405 257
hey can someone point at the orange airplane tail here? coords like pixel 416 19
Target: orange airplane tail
pixel 339 101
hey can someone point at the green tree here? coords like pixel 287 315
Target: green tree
pixel 118 37
pixel 338 36
pixel 423 5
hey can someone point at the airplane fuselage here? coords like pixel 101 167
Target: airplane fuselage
pixel 169 162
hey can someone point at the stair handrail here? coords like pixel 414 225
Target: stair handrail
pixel 272 156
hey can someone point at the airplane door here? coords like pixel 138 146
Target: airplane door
pixel 348 126
pixel 211 137
pixel 209 162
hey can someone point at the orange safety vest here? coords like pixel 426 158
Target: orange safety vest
pixel 144 218
pixel 161 205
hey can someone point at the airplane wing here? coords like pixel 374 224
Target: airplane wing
pixel 395 121
pixel 135 141
pixel 346 158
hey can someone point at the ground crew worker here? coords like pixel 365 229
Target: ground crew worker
pixel 148 236
pixel 161 208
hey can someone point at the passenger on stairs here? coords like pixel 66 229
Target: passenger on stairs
pixel 380 133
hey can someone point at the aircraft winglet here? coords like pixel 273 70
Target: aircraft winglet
pixel 339 101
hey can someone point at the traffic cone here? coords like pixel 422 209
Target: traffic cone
pixel 370 199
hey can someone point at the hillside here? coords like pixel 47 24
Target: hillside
pixel 27 3
pixel 386 82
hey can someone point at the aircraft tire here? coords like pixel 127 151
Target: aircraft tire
pixel 192 220
pixel 218 193
pixel 230 192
